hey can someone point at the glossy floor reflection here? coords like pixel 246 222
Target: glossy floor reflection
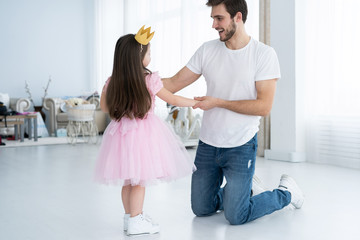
pixel 47 192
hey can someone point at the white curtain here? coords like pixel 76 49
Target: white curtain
pixel 109 25
pixel 332 48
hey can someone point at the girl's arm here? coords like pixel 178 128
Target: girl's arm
pixel 175 100
pixel 261 106
pixel 103 105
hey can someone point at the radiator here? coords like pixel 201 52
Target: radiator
pixel 334 140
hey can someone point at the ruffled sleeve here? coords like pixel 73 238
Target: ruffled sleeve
pixel 154 83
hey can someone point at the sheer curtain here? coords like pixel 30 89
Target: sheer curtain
pixel 180 26
pixel 332 81
pixel 109 26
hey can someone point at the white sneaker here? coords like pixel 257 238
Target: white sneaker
pixel 287 183
pixel 127 216
pixel 141 225
pixel 147 217
pixel 126 221
pixel 257 186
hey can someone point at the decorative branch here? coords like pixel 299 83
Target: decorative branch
pixel 46 89
pixel 29 93
pixel 27 89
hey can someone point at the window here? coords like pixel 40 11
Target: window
pixel 332 81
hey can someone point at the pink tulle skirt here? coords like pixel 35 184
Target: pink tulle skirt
pixel 141 152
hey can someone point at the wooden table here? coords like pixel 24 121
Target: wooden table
pixel 18 121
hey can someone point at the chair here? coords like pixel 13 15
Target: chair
pixel 59 119
pixel 16 104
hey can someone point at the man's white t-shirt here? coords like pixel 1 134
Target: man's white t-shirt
pixel 231 75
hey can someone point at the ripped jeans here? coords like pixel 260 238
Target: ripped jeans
pixel 237 165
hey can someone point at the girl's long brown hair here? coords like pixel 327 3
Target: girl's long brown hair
pixel 127 94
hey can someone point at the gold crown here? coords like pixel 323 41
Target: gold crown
pixel 144 36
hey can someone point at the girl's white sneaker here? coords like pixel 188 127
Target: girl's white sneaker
pixel 141 225
pixel 127 216
pixel 126 221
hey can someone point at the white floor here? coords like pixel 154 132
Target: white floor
pixel 47 192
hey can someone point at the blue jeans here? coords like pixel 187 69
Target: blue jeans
pixel 237 165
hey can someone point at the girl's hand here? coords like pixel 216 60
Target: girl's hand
pixel 206 102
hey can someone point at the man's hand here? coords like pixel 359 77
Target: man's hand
pixel 206 102
pixel 261 106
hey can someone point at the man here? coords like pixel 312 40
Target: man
pixel 241 75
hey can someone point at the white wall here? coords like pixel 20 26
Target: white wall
pixel 287 117
pixel 41 38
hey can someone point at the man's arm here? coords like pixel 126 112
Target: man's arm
pixel 180 80
pixel 261 106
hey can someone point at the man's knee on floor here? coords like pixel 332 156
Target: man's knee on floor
pixel 200 211
pixel 236 218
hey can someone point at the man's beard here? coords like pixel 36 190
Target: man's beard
pixel 229 33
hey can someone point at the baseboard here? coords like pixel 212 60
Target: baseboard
pixel 285 156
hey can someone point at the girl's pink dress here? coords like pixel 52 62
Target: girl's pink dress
pixel 142 151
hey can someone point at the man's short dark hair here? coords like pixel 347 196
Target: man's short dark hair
pixel 232 7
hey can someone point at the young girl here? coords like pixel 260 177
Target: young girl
pixel 138 148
